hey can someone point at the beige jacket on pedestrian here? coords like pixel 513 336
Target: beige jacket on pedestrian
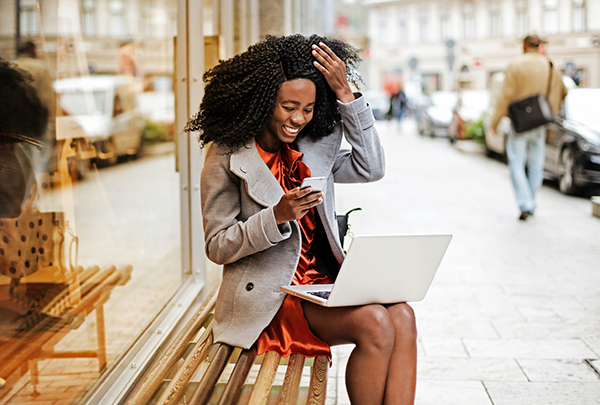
pixel 238 193
pixel 526 76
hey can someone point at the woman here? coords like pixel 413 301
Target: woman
pixel 276 114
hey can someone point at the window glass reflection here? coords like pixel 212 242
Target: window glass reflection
pixel 90 232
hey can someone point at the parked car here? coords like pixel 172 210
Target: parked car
pixel 104 110
pixel 379 102
pixel 434 119
pixel 495 145
pixel 573 142
pixel 470 107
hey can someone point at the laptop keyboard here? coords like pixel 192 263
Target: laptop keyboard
pixel 320 294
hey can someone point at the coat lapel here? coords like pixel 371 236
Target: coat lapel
pixel 263 187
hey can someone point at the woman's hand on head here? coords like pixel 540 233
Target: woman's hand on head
pixel 295 204
pixel 334 70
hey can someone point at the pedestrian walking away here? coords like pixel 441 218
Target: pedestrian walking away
pixel 274 115
pixel 528 75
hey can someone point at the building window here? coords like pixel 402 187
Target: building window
pixel 383 28
pixel 445 31
pixel 550 22
pixel 29 17
pixel 173 22
pixel 521 17
pixel 116 25
pixel 469 21
pixel 578 15
pixel 423 25
pixel 88 18
pixel 148 29
pixel 402 29
pixel 495 20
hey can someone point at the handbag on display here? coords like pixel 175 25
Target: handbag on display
pixel 27 242
pixel 531 112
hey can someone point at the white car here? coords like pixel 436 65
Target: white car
pixel 103 109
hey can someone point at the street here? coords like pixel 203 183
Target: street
pixel 513 315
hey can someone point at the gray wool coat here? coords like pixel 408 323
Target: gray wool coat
pixel 238 193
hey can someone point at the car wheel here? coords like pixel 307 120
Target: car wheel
pixel 82 168
pixel 566 166
pixel 107 153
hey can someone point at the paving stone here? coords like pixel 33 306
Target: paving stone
pixel 541 370
pixel 431 392
pixel 473 369
pixel 594 344
pixel 537 330
pixel 543 393
pixel 456 328
pixel 443 347
pixel 536 349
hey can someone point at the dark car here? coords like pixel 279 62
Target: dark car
pixel 434 119
pixel 573 143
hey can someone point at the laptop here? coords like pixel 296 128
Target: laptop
pixel 382 270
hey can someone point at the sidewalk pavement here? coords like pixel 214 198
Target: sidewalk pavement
pixel 513 315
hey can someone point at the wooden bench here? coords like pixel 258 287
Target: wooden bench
pixel 54 318
pixel 193 353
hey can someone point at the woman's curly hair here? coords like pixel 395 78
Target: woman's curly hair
pixel 240 93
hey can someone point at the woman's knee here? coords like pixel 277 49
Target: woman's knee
pixel 404 320
pixel 377 328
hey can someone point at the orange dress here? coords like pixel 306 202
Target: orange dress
pixel 288 332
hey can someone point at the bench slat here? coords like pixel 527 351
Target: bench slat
pixel 291 382
pixel 179 383
pixel 264 380
pixel 211 376
pixel 318 382
pixel 238 377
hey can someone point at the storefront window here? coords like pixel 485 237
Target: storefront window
pixel 90 223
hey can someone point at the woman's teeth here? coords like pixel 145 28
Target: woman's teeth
pixel 290 129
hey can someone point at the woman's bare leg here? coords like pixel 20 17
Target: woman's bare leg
pixel 371 329
pixel 382 367
pixel 402 372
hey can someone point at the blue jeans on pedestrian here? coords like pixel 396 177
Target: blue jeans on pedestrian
pixel 527 148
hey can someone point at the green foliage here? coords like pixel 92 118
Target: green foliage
pixel 155 132
pixel 474 130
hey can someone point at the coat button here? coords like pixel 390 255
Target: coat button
pixel 243 169
pixel 249 287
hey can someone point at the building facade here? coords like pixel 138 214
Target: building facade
pixel 451 44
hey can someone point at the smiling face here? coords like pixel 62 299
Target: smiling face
pixel 293 110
